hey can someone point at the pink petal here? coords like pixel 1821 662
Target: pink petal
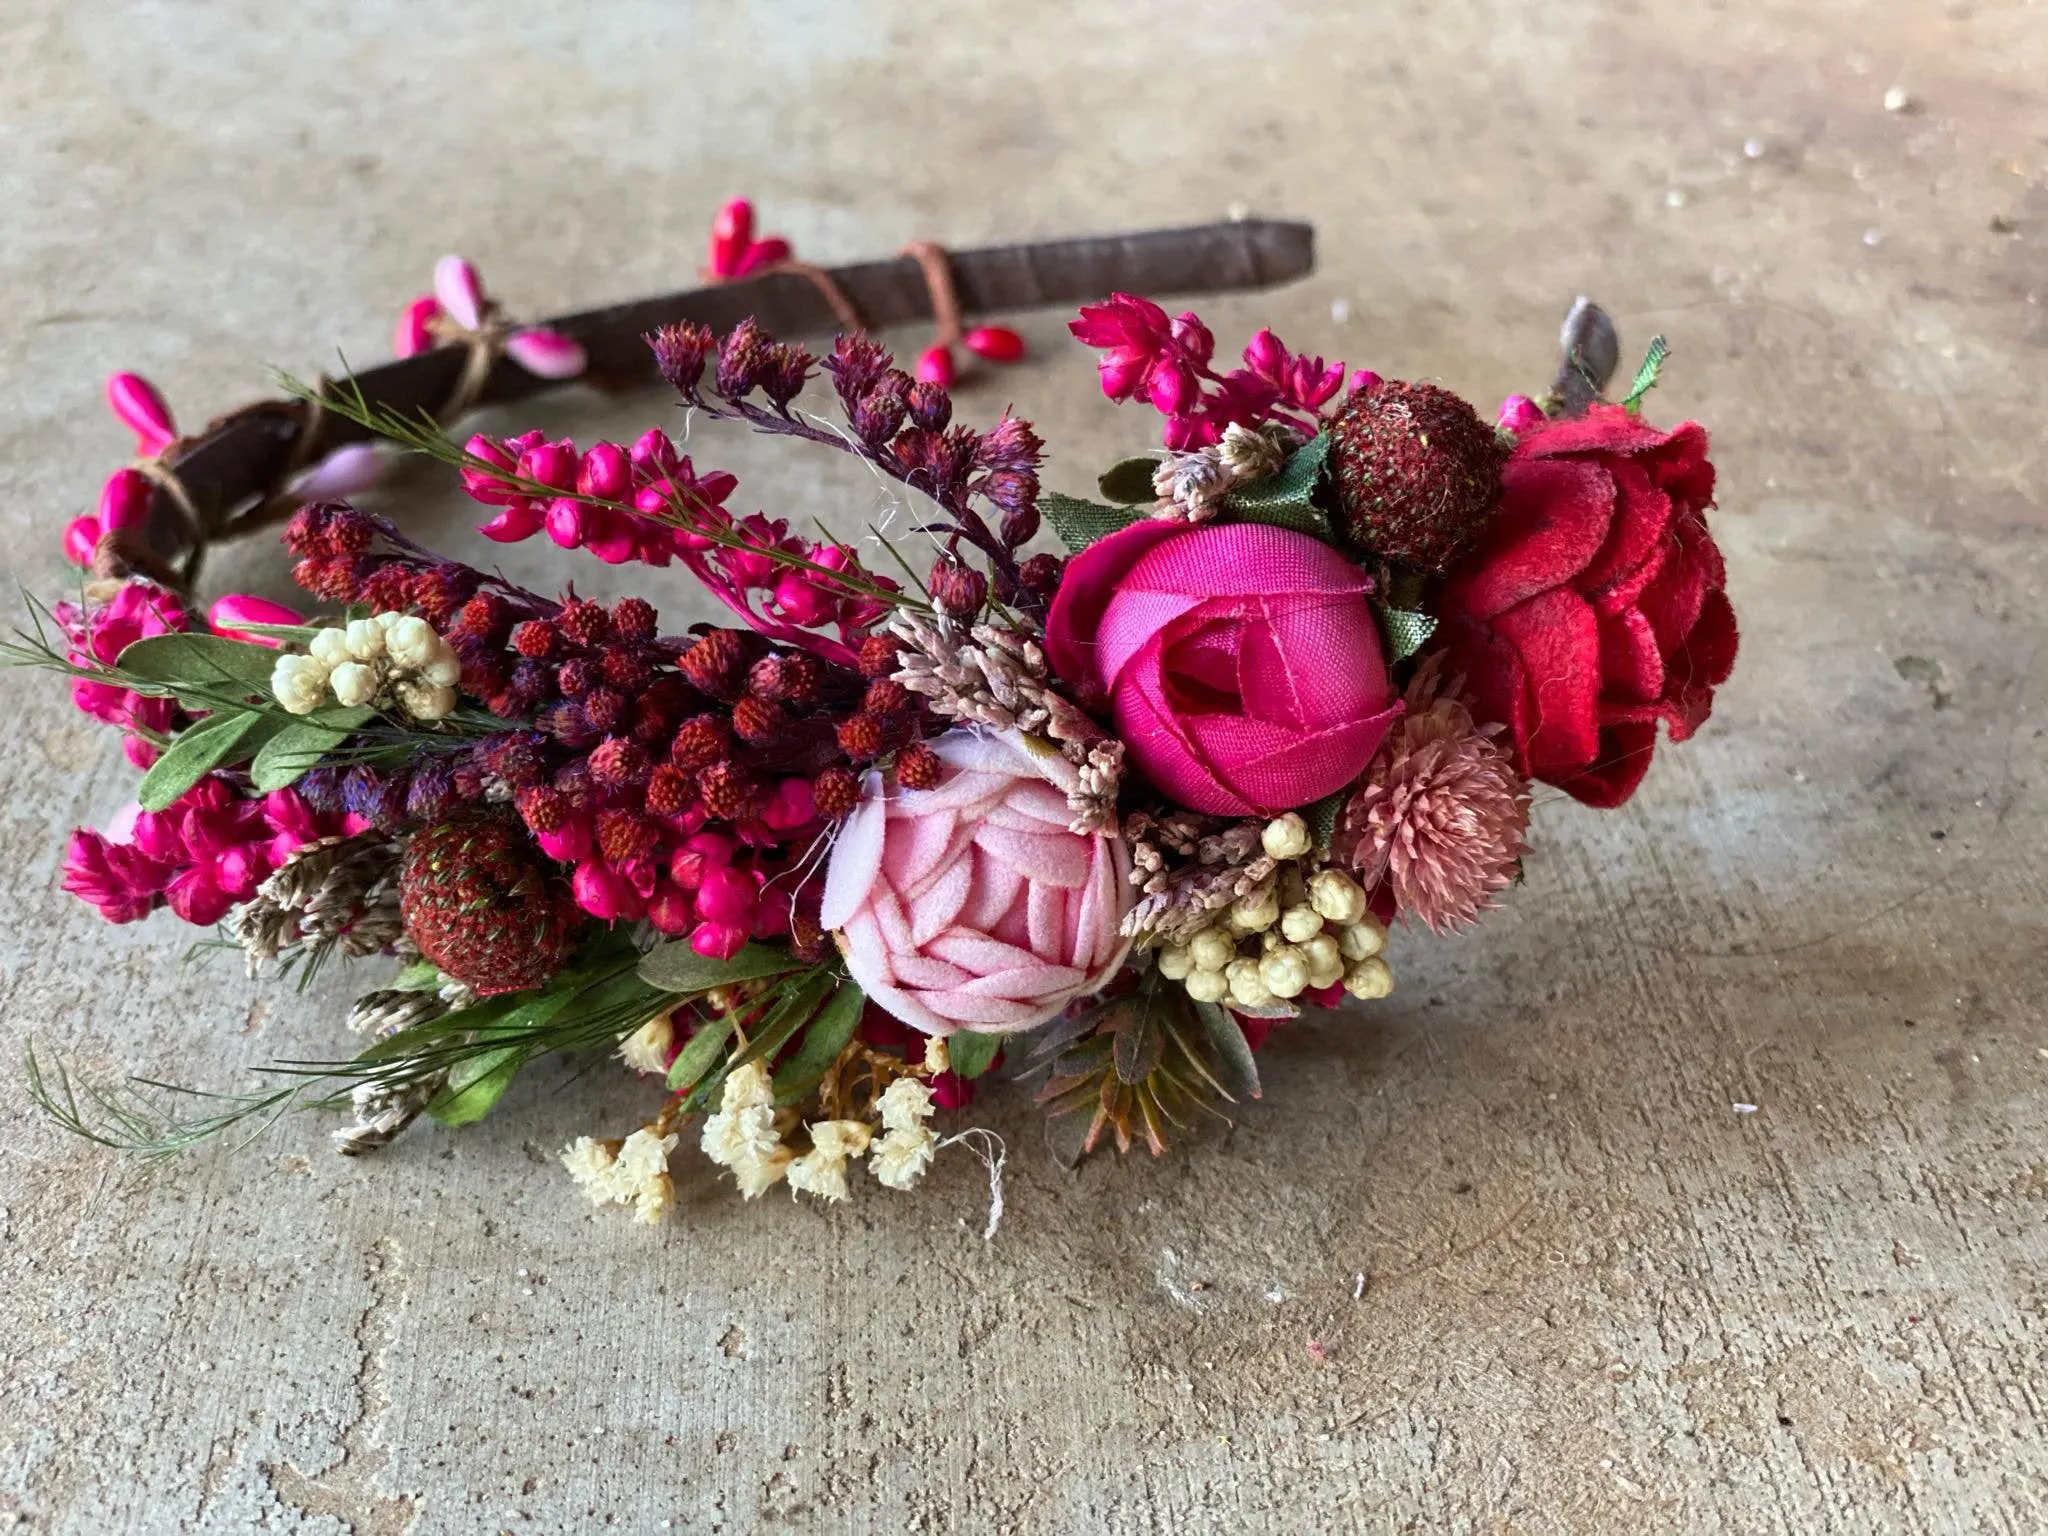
pixel 547 354
pixel 414 334
pixel 856 856
pixel 460 291
pixel 1045 859
pixel 916 850
pixel 1026 983
pixel 934 908
pixel 978 952
pixel 137 405
pixel 913 970
pixel 862 965
pixel 348 471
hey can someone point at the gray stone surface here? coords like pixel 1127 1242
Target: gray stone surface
pixel 1597 1297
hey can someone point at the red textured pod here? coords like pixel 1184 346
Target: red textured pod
pixel 996 343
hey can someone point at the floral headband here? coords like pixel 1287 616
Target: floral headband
pixel 1104 817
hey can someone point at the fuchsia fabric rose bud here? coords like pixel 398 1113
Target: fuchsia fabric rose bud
pixel 972 905
pixel 1242 662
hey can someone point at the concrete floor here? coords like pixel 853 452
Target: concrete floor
pixel 1597 1297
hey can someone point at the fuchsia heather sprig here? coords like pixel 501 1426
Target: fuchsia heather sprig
pixel 1106 789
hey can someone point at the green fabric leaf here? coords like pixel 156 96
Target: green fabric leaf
pixel 475 1085
pixel 1646 376
pixel 1233 1052
pixel 1322 818
pixel 1286 499
pixel 969 1052
pixel 823 1042
pixel 203 661
pixel 792 1010
pixel 699 1055
pixel 196 752
pixel 420 976
pixel 675 967
pixel 1080 523
pixel 1407 630
pixel 1128 482
pixel 297 748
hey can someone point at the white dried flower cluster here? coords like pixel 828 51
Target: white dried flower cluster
pixel 394 657
pixel 822 1170
pixel 743 1135
pixel 633 1172
pixel 1190 486
pixel 908 1144
pixel 647 1048
pixel 997 676
pixel 1264 951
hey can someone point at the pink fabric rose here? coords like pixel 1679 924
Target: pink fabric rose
pixel 972 905
pixel 1242 663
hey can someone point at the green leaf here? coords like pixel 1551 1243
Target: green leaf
pixel 1407 630
pixel 1233 1052
pixel 1128 482
pixel 476 1084
pixel 1646 376
pixel 1322 818
pixel 197 751
pixel 201 661
pixel 969 1052
pixel 1139 1044
pixel 297 749
pixel 823 1042
pixel 675 967
pixel 420 976
pixel 1080 523
pixel 1287 498
pixel 699 1055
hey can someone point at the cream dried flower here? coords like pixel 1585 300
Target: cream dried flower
pixel 822 1170
pixel 299 683
pixel 647 1048
pixel 900 1158
pixel 632 1173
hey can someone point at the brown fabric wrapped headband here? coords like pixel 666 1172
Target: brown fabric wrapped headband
pixel 227 480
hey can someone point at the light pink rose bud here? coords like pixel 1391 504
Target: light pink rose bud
pixel 415 334
pixel 1518 413
pixel 348 471
pixel 234 609
pixel 547 354
pixel 125 499
pixel 460 291
pixel 972 905
pixel 141 410
pixel 81 538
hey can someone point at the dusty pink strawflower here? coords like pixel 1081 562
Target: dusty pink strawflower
pixel 1441 812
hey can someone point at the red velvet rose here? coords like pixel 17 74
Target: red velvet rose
pixel 1594 606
